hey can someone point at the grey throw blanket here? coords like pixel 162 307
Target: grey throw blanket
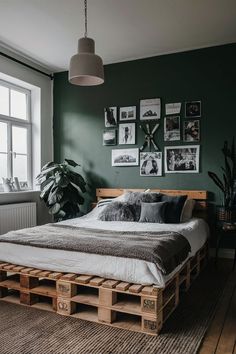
pixel 165 249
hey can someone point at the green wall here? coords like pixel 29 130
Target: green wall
pixel 208 75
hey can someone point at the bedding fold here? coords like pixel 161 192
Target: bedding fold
pixel 166 249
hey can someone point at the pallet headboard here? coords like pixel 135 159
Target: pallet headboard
pixel 199 196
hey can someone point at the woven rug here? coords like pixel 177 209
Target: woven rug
pixel 26 330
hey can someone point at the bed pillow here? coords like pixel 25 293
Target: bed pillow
pixel 136 198
pixel 117 211
pixel 187 210
pixel 174 207
pixel 153 212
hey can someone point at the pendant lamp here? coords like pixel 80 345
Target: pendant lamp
pixel 86 68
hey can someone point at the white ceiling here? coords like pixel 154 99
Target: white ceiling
pixel 47 30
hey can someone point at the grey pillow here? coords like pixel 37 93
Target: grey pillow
pixel 153 212
pixel 136 198
pixel 117 211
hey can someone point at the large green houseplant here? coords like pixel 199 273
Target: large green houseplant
pixel 61 189
pixel 227 184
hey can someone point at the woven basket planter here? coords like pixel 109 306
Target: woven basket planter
pixel 226 215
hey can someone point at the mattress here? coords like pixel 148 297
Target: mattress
pixel 125 269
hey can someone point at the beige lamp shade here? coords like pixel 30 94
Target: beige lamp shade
pixel 86 68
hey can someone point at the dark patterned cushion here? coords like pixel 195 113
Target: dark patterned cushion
pixel 174 207
pixel 117 211
pixel 153 212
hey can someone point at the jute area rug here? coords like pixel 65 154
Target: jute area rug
pixel 26 330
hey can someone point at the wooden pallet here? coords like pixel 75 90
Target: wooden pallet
pixel 131 306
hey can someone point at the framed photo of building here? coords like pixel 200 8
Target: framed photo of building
pixel 110 117
pixel 127 113
pixel 125 157
pixel 191 130
pixel 182 159
pixel 172 128
pixel 193 109
pixel 109 137
pixel 126 133
pixel 150 109
pixel 150 164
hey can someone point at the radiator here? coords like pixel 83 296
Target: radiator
pixel 17 216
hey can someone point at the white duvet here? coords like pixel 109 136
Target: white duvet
pixel 126 269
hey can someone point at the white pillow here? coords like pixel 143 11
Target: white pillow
pixel 187 210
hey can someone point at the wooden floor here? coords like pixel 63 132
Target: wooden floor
pixel 221 335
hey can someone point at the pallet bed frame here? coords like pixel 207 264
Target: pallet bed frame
pixel 134 307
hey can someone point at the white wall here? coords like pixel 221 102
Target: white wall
pixel 45 85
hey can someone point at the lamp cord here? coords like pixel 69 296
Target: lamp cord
pixel 85 19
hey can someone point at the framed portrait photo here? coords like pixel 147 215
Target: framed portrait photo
pixel 125 157
pixel 182 159
pixel 150 109
pixel 193 109
pixel 150 164
pixel 127 133
pixel 110 117
pixel 191 130
pixel 109 137
pixel 172 128
pixel 127 113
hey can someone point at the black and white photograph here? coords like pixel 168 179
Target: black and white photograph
pixel 127 134
pixel 172 128
pixel 109 137
pixel 110 117
pixel 191 130
pixel 182 159
pixel 150 109
pixel 127 113
pixel 125 157
pixel 193 109
pixel 173 108
pixel 150 164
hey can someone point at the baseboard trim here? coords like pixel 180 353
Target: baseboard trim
pixel 223 253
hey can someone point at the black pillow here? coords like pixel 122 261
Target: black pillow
pixel 117 211
pixel 174 207
pixel 153 212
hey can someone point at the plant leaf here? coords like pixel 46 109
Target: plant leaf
pixel 216 180
pixel 71 163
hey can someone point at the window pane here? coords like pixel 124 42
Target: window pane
pixel 3 137
pixel 19 140
pixel 3 166
pixel 18 104
pixel 20 167
pixel 4 100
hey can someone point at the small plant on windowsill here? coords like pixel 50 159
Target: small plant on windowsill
pixel 227 212
pixel 61 189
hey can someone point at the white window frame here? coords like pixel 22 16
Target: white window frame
pixel 17 122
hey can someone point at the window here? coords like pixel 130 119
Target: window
pixel 15 133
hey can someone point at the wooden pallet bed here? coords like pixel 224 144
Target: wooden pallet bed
pixel 131 306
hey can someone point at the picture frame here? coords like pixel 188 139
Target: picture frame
pixel 110 116
pixel 193 109
pixel 150 109
pixel 125 157
pixel 182 159
pixel 172 128
pixel 127 133
pixel 173 108
pixel 151 164
pixel 127 113
pixel 191 130
pixel 109 137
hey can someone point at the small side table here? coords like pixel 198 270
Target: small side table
pixel 225 229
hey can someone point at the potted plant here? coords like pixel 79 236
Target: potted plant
pixel 61 189
pixel 227 185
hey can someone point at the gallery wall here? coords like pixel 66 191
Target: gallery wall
pixel 208 75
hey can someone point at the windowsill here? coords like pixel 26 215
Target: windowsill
pixel 19 192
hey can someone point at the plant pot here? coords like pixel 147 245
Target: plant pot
pixel 225 214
